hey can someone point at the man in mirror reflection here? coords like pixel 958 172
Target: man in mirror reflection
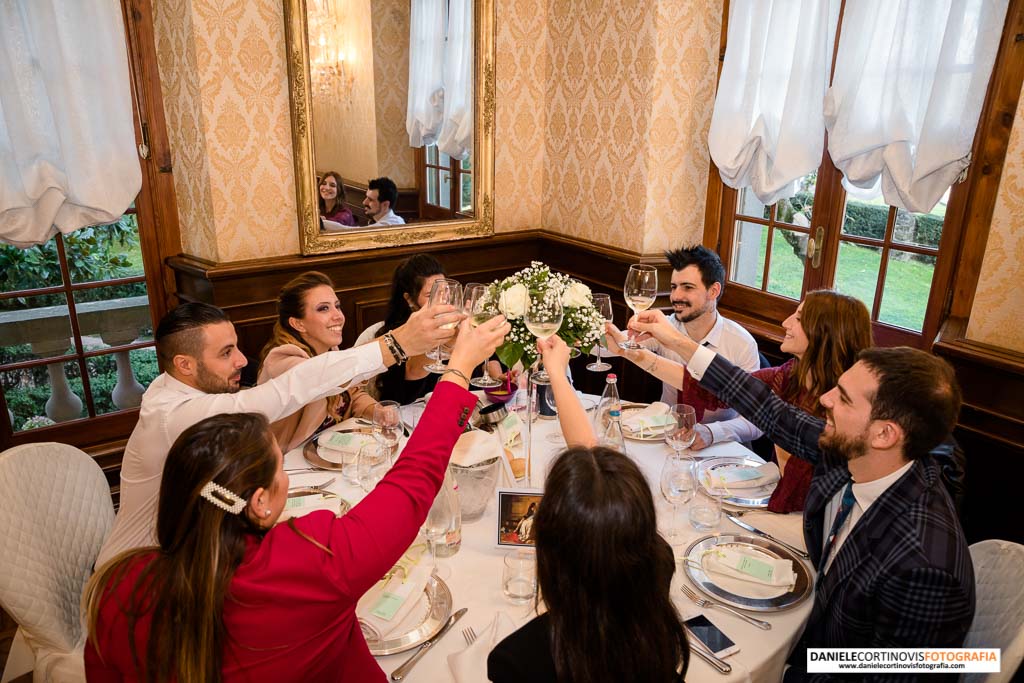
pixel 381 197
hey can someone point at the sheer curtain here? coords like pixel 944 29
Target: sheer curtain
pixel 456 138
pixel 427 25
pixel 767 129
pixel 67 140
pixel 908 89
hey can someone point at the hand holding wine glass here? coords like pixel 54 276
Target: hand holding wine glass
pixel 480 307
pixel 603 304
pixel 543 318
pixel 443 291
pixel 640 291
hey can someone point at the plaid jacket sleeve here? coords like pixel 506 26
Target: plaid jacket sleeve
pixel 786 425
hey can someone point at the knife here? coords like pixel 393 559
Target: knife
pixel 403 671
pixel 743 525
pixel 698 648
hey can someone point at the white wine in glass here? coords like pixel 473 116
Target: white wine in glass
pixel 640 290
pixel 543 318
pixel 443 291
pixel 480 308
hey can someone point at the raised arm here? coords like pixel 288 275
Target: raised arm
pixel 650 362
pixel 572 418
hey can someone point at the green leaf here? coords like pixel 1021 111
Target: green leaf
pixel 509 354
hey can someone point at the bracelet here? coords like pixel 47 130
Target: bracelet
pixel 395 348
pixel 654 363
pixel 458 373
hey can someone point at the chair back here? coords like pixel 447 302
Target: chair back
pixel 999 615
pixel 56 513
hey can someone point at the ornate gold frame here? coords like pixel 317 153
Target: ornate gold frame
pixel 311 240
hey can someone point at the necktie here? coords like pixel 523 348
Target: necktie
pixel 845 506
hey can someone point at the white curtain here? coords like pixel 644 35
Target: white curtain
pixel 427 25
pixel 456 138
pixel 67 142
pixel 767 129
pixel 908 89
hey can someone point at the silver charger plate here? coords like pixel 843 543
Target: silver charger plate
pixel 756 497
pixel 309 451
pixel 632 408
pixel 439 608
pixel 698 577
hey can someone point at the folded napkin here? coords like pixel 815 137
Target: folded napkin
pixel 470 665
pixel 731 478
pixel 654 418
pixel 341 448
pixel 510 429
pixel 746 566
pixel 383 608
pixel 475 447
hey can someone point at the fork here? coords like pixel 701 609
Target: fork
pixel 469 634
pixel 704 603
pixel 315 487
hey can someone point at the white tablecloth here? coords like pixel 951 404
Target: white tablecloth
pixel 476 570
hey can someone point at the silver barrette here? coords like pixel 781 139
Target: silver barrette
pixel 222 498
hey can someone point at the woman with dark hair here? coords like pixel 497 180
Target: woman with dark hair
pixel 332 201
pixel 227 595
pixel 309 322
pixel 609 613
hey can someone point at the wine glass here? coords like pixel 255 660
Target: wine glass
pixel 677 486
pixel 443 291
pixel 387 426
pixel 640 290
pixel 480 307
pixel 543 318
pixel 681 434
pixel 373 463
pixel 603 304
pixel 438 522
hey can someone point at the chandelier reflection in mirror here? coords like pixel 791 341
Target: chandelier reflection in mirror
pixel 329 73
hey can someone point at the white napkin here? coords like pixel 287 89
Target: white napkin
pixel 341 448
pixel 475 447
pixel 654 418
pixel 752 567
pixel 470 665
pixel 399 594
pixel 742 478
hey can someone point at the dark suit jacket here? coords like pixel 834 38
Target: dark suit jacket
pixel 903 577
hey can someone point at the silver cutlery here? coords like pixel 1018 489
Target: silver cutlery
pixel 301 470
pixel 470 635
pixel 403 671
pixel 704 603
pixel 698 648
pixel 765 534
pixel 315 487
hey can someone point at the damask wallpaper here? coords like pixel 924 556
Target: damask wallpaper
pixel 391 78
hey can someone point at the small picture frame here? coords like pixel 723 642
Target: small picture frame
pixel 516 511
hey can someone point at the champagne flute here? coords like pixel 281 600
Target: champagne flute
pixel 443 291
pixel 543 318
pixel 681 433
pixel 640 290
pixel 603 304
pixel 678 487
pixel 481 307
pixel 387 426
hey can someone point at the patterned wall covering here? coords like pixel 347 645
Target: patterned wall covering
pixel 395 158
pixel 998 308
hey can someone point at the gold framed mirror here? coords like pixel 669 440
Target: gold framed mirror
pixel 344 121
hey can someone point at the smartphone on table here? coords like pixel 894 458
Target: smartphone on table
pixel 701 628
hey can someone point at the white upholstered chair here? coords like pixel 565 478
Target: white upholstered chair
pixel 999 615
pixel 56 513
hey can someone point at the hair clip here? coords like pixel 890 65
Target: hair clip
pixel 222 498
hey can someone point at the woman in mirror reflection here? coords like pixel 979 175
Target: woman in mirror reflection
pixel 332 200
pixel 309 322
pixel 609 613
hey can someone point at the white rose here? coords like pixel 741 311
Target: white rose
pixel 576 295
pixel 514 301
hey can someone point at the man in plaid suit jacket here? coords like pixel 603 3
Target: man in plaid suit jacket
pixel 899 574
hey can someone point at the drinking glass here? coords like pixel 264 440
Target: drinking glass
pixel 387 425
pixel 443 291
pixel 519 577
pixel 374 462
pixel 681 435
pixel 603 304
pixel 706 510
pixel 480 308
pixel 543 318
pixel 439 521
pixel 678 485
pixel 640 290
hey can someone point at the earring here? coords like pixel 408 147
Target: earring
pixel 266 513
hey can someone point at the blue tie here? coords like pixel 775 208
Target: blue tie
pixel 845 506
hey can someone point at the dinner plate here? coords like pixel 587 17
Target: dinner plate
pixel 424 621
pixel 312 456
pixel 744 594
pixel 754 497
pixel 629 409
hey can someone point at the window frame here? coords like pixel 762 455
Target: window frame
pixel 429 211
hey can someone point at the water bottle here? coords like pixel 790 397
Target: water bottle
pixel 452 541
pixel 608 418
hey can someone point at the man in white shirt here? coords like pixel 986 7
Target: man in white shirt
pixel 379 203
pixel 198 348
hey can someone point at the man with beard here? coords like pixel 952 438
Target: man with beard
pixel 198 350
pixel 893 566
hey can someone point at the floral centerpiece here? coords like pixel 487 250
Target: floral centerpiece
pixel 582 324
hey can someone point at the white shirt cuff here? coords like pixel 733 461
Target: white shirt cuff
pixel 698 365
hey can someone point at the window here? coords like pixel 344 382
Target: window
pixel 446 185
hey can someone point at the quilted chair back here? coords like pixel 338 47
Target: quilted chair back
pixel 55 515
pixel 999 616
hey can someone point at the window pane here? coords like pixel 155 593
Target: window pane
pixel 34 327
pixel 857 271
pixel 865 219
pixel 797 209
pixel 446 189
pixel 467 193
pixel 467 163
pixel 432 186
pixel 30 268
pixel 908 282
pixel 105 252
pixel 786 270
pixel 748 253
pixel 113 316
pixel 749 205
pixel 37 397
pixel 118 380
pixel 444 160
pixel 922 229
pixel 432 154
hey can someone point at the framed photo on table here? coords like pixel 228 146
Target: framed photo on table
pixel 517 508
